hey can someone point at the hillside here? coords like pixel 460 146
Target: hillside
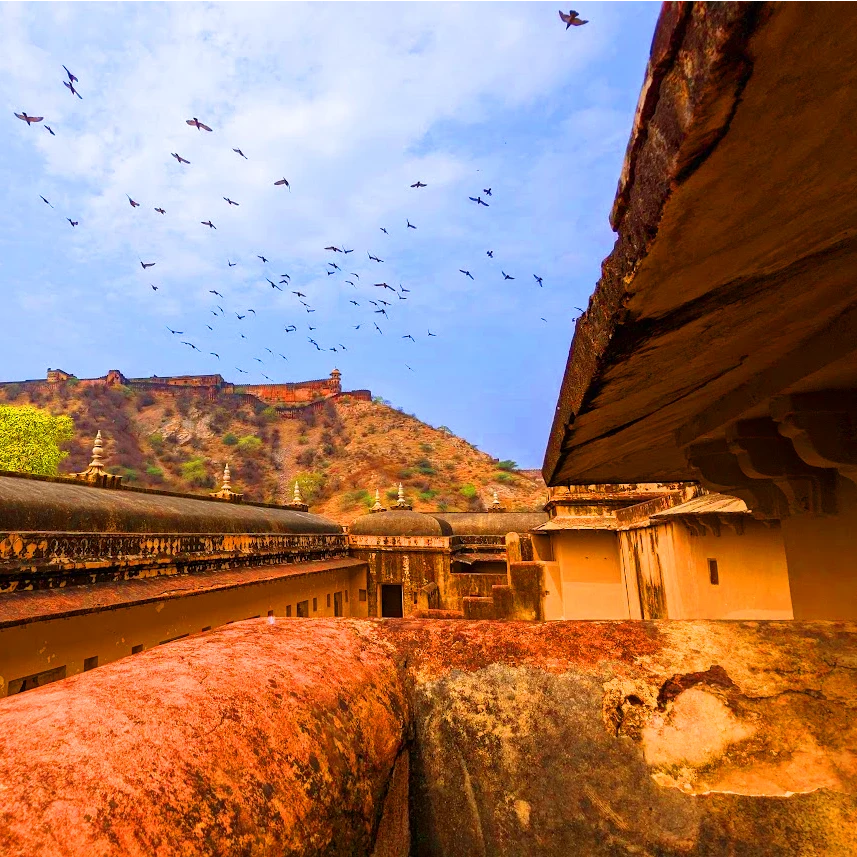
pixel 339 455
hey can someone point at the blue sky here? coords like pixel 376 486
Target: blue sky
pixel 352 103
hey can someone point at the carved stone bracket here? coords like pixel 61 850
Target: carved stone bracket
pixel 822 427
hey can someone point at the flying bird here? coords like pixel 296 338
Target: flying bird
pixel 384 230
pixel 29 119
pixel 299 294
pixel 490 254
pixel 384 286
pixel 350 283
pixel 134 203
pixel 200 126
pixel 252 310
pixel 44 201
pixel 572 19
pixel 242 370
pixel 70 86
pixel 410 225
pixel 283 182
pixel 330 272
pixel 378 328
pixel 160 211
pixel 386 303
pixel 286 276
pixel 579 309
pixel 347 251
pixel 231 264
pixel 408 367
pixel 354 302
pixel 215 292
pixel 269 352
pixel 506 276
pixel 264 260
pixel 335 249
pixel 209 327
pixel 538 280
pixel 352 274
pixel 208 223
pixel 478 200
pixel 401 297
pixel 179 158
pixel 374 258
pixel 72 222
pixel 147 264
pixel 240 316
pixel 418 184
pixel 334 265
pixel 383 312
pixel 466 273
pixel 154 288
pixel 432 334
pixel 214 355
pixel 231 201
pixel 357 327
pixel 310 327
pixel 50 130
pixel 179 332
pixel 486 191
pixel 239 152
pixel 71 77
pixel 283 356
pixel 290 329
pixel 408 336
pixel 402 289
pixel 542 318
pixel 260 361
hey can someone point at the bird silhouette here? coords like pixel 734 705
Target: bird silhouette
pixel 334 265
pixel 354 302
pixel 179 158
pixel 401 297
pixel 269 352
pixel 147 264
pixel 506 276
pixel 330 272
pixel 209 327
pixel 231 201
pixel 252 310
pixel 385 303
pixel 44 201
pixel 71 77
pixel 264 260
pixel 299 294
pixel 260 361
pixel 374 258
pixel 544 319
pixel 179 332
pixel 572 19
pixel 283 182
pixel 50 130
pixel 384 230
pixel 215 292
pixel 231 264
pixel 579 309
pixel 213 312
pixel 154 288
pixel 244 371
pixel 478 200
pixel 538 280
pixel 346 251
pixel 378 328
pixel 357 327
pixel 160 211
pixel 408 367
pixel 418 184
pixel 310 310
pixel 70 86
pixel 383 312
pixel 29 119
pixel 290 328
pixel 402 289
pixel 134 203
pixel 310 327
pixel 208 223
pixel 408 336
pixel 213 354
pixel 72 222
pixel 283 356
pixel 352 274
pixel 410 225
pixel 200 126
pixel 486 191
pixel 432 334
pixel 350 283
pixel 466 273
pixel 285 276
pixel 374 303
pixel 335 249
pixel 239 152
pixel 490 254
pixel 318 348
pixel 240 316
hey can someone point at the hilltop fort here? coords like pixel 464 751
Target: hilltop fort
pixel 288 399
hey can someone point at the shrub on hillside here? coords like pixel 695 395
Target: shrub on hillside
pixel 146 400
pixel 128 474
pixel 249 444
pixel 426 447
pixel 305 458
pixel 303 439
pixel 311 485
pixel 425 467
pixel 230 439
pixel 508 465
pixel 360 497
pixel 30 439
pixel 195 472
pixel 468 491
pixel 155 473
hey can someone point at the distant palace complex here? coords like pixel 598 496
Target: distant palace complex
pixel 287 398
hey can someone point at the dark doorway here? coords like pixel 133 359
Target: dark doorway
pixel 391 600
pixel 337 603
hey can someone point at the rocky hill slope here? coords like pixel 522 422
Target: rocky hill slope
pixel 339 455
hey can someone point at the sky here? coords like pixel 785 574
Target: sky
pixel 352 103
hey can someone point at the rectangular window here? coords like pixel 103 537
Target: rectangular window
pixel 303 609
pixel 328 600
pixel 315 605
pixel 206 628
pixel 270 612
pixel 289 610
pixel 346 596
pixel 415 596
pixel 19 685
pixel 713 573
pixel 135 650
pixel 361 595
pixel 90 663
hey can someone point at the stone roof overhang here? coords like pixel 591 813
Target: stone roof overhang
pixel 731 282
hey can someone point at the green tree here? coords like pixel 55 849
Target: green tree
pixel 508 465
pixel 30 439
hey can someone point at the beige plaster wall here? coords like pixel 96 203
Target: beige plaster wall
pixel 29 649
pixel 822 559
pixel 590 576
pixel 754 580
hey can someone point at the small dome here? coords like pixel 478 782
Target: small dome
pixel 399 522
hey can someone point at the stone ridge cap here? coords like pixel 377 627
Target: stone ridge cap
pixel 171 534
pixel 19 607
pixel 70 480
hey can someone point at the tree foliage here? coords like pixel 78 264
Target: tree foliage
pixel 30 439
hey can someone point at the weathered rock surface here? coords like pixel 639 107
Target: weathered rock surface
pixel 445 737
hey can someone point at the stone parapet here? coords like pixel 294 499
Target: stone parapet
pixel 313 737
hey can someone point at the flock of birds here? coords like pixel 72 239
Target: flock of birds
pixel 381 306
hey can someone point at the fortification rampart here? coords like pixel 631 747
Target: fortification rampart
pixel 287 398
